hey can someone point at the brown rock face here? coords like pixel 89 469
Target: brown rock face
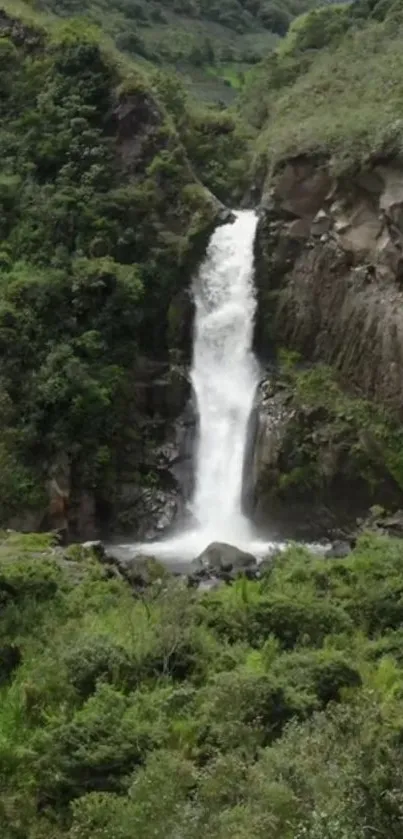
pixel 59 493
pixel 306 481
pixel 155 457
pixel 329 259
pixel 135 121
pixel 20 33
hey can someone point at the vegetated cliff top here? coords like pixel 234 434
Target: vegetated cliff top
pixel 210 41
pixel 103 213
pixel 333 86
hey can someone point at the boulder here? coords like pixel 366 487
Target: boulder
pixel 380 521
pixel 96 548
pixel 145 512
pixel 139 571
pixel 225 216
pixel 339 550
pixel 220 559
pixel 143 571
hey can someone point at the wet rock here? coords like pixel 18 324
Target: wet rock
pixel 393 525
pixel 180 322
pixel 83 521
pixel 321 223
pixel 145 512
pixel 380 521
pixel 142 572
pixel 225 216
pixel 59 493
pixel 339 550
pixel 220 558
pixel 139 571
pixel 155 466
pixel 163 392
pixel 96 548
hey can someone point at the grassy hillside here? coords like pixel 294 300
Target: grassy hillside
pixel 268 708
pixel 210 43
pixel 333 86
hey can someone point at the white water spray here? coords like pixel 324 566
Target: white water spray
pixel 225 377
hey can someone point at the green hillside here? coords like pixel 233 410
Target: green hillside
pixel 102 216
pixel 333 87
pixel 211 43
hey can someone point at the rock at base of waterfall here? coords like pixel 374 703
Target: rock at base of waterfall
pixel 139 571
pixel 380 521
pixel 224 561
pixel 338 550
pixel 95 548
pixel 144 571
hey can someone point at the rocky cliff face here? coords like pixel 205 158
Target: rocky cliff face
pixel 330 271
pixel 154 459
pixel 329 258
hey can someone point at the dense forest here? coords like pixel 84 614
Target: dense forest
pixel 97 229
pixel 140 705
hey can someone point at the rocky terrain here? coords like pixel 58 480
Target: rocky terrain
pixel 328 261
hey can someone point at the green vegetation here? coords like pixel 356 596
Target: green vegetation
pixel 102 219
pixel 269 708
pixel 272 707
pixel 335 437
pixel 197 37
pixel 333 87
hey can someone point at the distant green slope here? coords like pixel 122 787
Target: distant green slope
pixel 200 38
pixel 333 87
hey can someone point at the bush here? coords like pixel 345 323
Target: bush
pixel 99 660
pixel 321 675
pixel 308 621
pixel 242 709
pixel 124 713
pixel 102 743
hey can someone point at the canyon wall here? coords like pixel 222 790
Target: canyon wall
pixel 329 272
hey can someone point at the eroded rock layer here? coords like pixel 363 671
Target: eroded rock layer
pixel 330 270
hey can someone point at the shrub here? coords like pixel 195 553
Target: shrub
pixel 102 743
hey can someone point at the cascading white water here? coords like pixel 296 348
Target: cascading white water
pixel 224 376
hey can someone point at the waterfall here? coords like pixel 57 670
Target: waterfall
pixel 224 377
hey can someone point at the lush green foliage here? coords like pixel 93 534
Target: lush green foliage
pixel 210 41
pixel 333 87
pixel 216 141
pixel 97 235
pixel 335 436
pixel 265 708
